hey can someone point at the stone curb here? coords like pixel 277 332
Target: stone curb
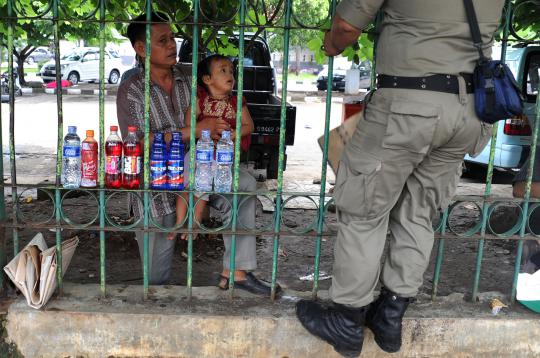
pixel 82 323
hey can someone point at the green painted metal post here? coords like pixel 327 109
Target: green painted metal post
pixel 322 192
pixel 14 194
pixel 440 254
pixel 236 177
pixel 146 145
pixel 279 193
pixel 194 62
pixel 59 147
pixel 102 253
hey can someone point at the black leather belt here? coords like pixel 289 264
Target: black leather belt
pixel 437 83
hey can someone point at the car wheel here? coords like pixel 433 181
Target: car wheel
pixel 30 60
pixel 114 76
pixel 73 77
pixel 321 88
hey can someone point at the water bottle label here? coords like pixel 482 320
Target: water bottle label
pixel 112 164
pixel 132 165
pixel 224 157
pixel 204 156
pixel 72 151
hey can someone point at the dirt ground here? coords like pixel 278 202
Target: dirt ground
pixel 296 253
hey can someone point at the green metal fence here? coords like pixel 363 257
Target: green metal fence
pixel 53 12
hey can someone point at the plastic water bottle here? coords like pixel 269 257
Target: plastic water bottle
pixel 224 161
pixel 158 163
pixel 175 163
pixel 71 162
pixel 132 160
pixel 203 156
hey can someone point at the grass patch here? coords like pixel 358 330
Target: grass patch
pixel 26 70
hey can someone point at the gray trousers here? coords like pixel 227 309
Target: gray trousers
pixel 400 168
pixel 161 250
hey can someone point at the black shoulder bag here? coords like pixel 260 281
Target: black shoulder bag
pixel 496 93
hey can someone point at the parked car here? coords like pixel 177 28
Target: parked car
pixel 83 65
pixel 338 78
pixel 514 134
pixel 38 55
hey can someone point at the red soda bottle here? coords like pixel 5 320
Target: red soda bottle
pixel 132 160
pixel 113 160
pixel 89 157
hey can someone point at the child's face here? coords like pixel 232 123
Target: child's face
pixel 221 79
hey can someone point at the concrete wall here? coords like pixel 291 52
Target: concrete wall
pixel 82 325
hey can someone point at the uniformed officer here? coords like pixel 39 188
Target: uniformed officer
pixel 403 163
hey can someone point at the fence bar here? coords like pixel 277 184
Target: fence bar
pixel 526 199
pixel 59 147
pixel 102 272
pixel 440 254
pixel 236 177
pixel 11 93
pixel 146 144
pixel 3 252
pixel 191 207
pixel 281 159
pixel 322 192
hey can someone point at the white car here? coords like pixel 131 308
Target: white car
pixel 83 65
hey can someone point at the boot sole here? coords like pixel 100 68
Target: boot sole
pixel 388 348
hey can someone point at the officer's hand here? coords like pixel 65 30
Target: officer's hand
pixel 328 46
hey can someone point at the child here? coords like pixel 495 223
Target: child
pixel 215 82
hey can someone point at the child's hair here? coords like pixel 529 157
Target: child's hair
pixel 204 68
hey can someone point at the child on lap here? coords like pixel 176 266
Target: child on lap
pixel 215 82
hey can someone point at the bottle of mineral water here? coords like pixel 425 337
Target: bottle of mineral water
pixel 204 157
pixel 71 162
pixel 224 161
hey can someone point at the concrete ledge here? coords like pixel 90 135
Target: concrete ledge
pixel 69 91
pixel 167 325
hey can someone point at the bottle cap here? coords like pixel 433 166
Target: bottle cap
pixel 205 133
pixel 114 128
pixel 226 134
pixel 89 132
pixel 132 128
pixel 72 129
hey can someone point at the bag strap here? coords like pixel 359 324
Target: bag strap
pixel 475 30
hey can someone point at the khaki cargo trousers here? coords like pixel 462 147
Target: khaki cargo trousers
pixel 398 171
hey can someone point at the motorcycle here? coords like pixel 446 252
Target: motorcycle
pixel 4 86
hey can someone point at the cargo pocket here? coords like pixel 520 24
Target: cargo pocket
pixel 411 126
pixel 355 187
pixel 482 140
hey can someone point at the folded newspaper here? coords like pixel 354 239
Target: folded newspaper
pixel 338 138
pixel 33 270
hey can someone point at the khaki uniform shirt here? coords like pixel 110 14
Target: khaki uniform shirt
pixel 424 37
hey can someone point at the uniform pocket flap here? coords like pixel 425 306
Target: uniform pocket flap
pixel 413 108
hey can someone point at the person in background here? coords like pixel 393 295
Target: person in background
pixel 170 89
pixel 402 164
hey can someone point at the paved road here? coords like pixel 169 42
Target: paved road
pixel 36 136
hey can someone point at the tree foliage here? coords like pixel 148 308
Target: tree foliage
pixel 219 18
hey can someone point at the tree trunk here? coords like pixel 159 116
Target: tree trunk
pixel 20 70
pixel 297 50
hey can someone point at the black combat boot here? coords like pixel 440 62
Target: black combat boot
pixel 384 318
pixel 339 325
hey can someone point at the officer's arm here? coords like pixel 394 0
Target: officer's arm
pixel 340 36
